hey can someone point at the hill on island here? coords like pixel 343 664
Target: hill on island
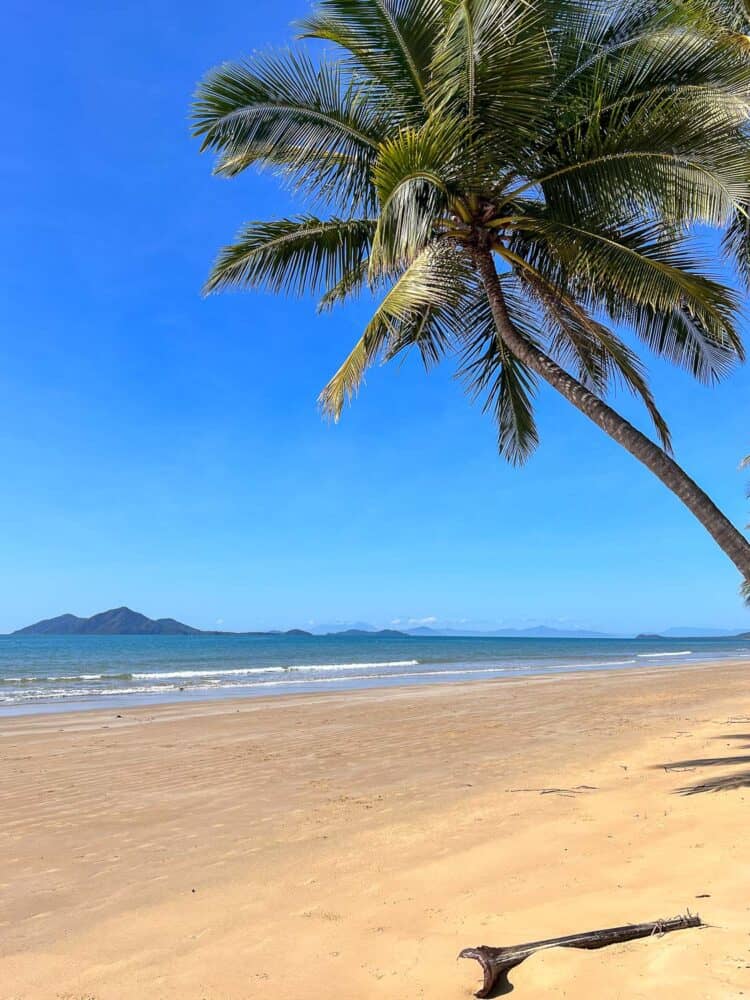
pixel 382 633
pixel 118 621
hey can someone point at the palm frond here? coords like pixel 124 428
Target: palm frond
pixel 597 353
pixel 601 33
pixel 728 15
pixel 736 243
pixel 494 63
pixel 349 286
pixel 707 348
pixel 643 277
pixel 322 129
pixel 669 184
pixel 410 314
pixel 510 397
pixel 492 374
pixel 677 152
pixel 413 176
pixel 388 41
pixel 296 256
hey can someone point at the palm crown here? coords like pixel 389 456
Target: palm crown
pixel 575 145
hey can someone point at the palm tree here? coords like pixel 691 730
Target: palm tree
pixel 516 179
pixel 745 589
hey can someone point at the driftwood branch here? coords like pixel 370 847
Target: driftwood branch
pixel 495 962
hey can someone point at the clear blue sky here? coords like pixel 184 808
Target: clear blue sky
pixel 164 451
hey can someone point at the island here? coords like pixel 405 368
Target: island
pixel 383 633
pixel 117 621
pixel 125 621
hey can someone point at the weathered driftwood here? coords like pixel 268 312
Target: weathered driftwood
pixel 495 962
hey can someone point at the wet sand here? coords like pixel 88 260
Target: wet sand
pixel 351 844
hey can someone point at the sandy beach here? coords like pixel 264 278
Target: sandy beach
pixel 351 844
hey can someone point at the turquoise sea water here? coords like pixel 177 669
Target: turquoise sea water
pixel 43 673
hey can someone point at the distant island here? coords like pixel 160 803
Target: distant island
pixel 124 621
pixel 382 632
pixel 118 621
pixel 537 632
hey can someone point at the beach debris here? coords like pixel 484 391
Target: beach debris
pixel 568 792
pixel 496 962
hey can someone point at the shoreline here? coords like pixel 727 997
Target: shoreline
pixel 356 685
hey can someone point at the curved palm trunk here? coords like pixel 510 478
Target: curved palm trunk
pixel 726 536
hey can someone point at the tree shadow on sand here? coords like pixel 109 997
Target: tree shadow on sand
pixel 502 987
pixel 723 783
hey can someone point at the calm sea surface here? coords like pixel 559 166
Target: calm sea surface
pixel 43 673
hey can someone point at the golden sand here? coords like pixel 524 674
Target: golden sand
pixel 349 845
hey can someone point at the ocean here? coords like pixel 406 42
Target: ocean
pixel 54 673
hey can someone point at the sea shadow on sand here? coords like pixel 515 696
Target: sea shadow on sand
pixel 722 783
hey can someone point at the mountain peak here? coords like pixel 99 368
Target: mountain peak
pixel 116 621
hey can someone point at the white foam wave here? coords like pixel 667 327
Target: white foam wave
pixel 355 666
pixel 446 673
pixel 58 678
pixel 184 674
pixel 247 671
pixel 654 656
pixel 299 676
pixel 33 694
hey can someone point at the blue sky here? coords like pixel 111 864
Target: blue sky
pixel 165 451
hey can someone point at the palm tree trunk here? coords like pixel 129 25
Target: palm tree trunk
pixel 721 529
